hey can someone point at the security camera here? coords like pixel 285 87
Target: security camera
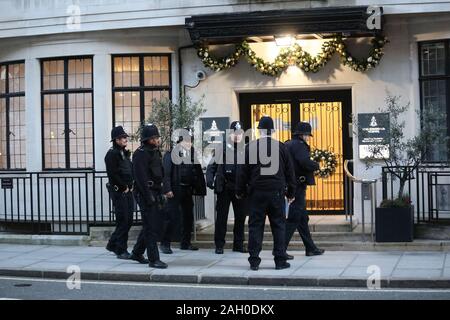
pixel 200 75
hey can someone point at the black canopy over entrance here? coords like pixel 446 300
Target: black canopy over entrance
pixel 232 27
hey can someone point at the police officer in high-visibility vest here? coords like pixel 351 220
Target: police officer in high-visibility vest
pixel 120 184
pixel 304 173
pixel 183 179
pixel 148 172
pixel 267 176
pixel 221 177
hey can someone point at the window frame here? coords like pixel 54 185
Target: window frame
pixel 7 96
pixel 141 88
pixel 66 91
pixel 445 77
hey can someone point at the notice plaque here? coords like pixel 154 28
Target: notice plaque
pixel 373 135
pixel 7 183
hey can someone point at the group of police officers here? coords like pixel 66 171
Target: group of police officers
pixel 164 191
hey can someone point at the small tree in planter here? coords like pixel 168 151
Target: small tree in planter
pixel 168 116
pixel 395 218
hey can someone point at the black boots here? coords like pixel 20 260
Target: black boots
pixel 189 247
pixel 139 258
pixel 165 249
pixel 124 255
pixel 282 265
pixel 219 250
pixel 158 264
pixel 316 252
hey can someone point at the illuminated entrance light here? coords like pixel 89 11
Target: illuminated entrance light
pixel 284 40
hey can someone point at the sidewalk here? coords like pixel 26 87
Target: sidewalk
pixel 334 268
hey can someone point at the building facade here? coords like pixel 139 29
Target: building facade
pixel 70 70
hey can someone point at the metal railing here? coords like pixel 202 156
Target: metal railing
pixel 368 192
pixel 429 190
pixel 60 202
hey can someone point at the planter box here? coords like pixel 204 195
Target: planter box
pixel 394 224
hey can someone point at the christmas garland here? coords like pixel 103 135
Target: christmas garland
pixel 330 160
pixel 295 55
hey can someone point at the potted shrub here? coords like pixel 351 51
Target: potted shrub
pixel 401 156
pixel 394 220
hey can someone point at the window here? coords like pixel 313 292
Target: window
pixel 435 88
pixel 67 109
pixel 136 81
pixel 12 115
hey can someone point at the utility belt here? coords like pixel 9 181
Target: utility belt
pixel 156 197
pixel 112 187
pixel 154 185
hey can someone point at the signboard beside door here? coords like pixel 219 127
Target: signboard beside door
pixel 372 135
pixel 7 183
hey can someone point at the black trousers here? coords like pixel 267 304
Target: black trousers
pixel 180 207
pixel 272 203
pixel 224 199
pixel 298 220
pixel 148 237
pixel 123 209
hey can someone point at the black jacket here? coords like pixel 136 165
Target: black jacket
pixel 119 168
pixel 172 174
pixel 221 171
pixel 301 157
pixel 249 177
pixel 148 170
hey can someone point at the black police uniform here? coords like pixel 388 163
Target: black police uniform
pixel 120 177
pixel 148 172
pixel 266 196
pixel 184 180
pixel 304 173
pixel 221 176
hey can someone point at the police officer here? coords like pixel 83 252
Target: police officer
pixel 221 177
pixel 148 172
pixel 120 185
pixel 304 172
pixel 183 178
pixel 267 181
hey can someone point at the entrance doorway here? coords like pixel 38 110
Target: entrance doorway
pixel 329 113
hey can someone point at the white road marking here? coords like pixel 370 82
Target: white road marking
pixel 245 287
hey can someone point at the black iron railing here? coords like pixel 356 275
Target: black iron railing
pixel 60 202
pixel 429 191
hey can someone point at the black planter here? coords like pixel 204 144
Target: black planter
pixel 394 224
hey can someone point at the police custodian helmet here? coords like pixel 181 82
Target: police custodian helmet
pixel 118 132
pixel 149 131
pixel 303 128
pixel 266 123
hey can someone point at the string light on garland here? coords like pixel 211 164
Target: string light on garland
pixel 295 55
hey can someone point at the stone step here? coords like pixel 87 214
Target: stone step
pixel 104 233
pixel 317 236
pixel 416 245
pixel 315 224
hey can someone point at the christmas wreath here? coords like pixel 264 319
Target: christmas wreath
pixel 329 158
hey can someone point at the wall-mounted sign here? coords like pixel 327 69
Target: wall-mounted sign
pixel 7 183
pixel 373 132
pixel 214 128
